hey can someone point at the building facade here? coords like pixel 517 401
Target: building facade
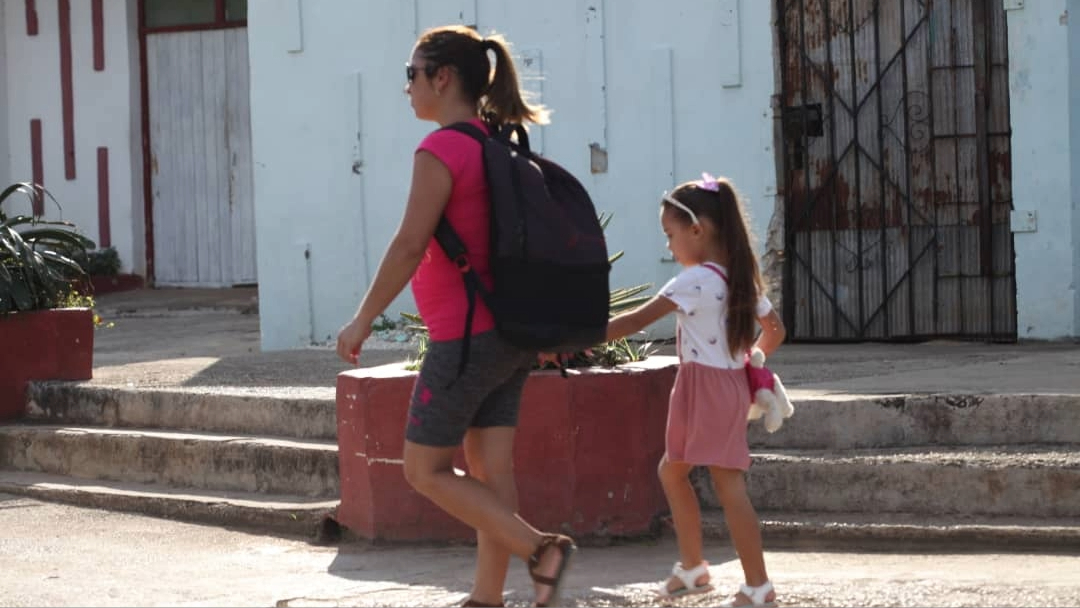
pixel 909 166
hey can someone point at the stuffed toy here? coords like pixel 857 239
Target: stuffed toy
pixel 768 398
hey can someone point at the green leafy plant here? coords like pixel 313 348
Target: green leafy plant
pixel 383 323
pixel 103 262
pixel 39 259
pixel 76 299
pixel 608 354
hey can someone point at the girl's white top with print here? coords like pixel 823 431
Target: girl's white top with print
pixel 701 295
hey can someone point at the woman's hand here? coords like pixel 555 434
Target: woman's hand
pixel 559 360
pixel 350 339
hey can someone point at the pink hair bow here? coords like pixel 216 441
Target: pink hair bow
pixel 708 182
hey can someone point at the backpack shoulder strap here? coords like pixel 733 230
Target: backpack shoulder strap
pixel 716 270
pixel 468 129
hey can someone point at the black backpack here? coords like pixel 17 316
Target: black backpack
pixel 549 258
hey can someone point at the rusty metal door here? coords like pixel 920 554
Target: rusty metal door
pixel 896 170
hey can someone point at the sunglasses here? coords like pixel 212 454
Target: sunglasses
pixel 412 70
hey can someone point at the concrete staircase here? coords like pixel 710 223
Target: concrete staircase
pixel 264 460
pixel 978 470
pixel 963 469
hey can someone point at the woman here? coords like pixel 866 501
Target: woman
pixel 450 80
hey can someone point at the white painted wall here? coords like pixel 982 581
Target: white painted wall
pixel 1043 94
pixel 327 80
pixel 1074 138
pixel 106 106
pixel 5 152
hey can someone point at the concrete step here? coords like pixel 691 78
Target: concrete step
pixel 821 421
pixel 824 421
pixel 301 412
pixel 277 514
pixel 206 461
pixel 903 531
pixel 1032 480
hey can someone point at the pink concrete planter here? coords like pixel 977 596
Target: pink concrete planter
pixel 585 454
pixel 56 344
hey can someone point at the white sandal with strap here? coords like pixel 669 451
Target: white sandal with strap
pixel 689 581
pixel 756 595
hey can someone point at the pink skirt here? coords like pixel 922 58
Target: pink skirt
pixel 707 417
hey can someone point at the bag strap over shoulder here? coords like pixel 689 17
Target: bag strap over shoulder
pixel 717 270
pixel 469 129
pixel 504 133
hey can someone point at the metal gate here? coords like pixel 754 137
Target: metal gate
pixel 896 170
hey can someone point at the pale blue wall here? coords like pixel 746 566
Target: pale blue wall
pixel 1074 138
pixel 5 154
pixel 647 81
pixel 1043 95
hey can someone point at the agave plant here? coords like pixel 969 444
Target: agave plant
pixel 39 259
pixel 608 354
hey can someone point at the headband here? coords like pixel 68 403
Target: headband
pixel 707 182
pixel 669 199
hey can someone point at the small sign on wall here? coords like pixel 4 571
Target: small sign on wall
pixel 729 55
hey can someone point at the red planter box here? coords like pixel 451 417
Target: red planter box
pixel 585 454
pixel 55 344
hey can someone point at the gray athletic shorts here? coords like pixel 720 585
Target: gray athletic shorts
pixel 488 393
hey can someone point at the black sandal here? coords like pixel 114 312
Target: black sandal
pixel 565 545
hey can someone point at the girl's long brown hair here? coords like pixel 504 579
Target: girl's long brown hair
pixel 497 93
pixel 724 208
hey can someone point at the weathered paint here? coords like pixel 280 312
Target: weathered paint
pixel 1044 94
pixel 5 155
pixel 105 112
pixel 200 151
pixel 644 84
pixel 897 184
pixel 98 16
pixel 104 223
pixel 37 165
pixel 67 87
pixel 31 18
pixel 1074 138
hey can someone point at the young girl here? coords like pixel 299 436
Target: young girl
pixel 450 80
pixel 718 298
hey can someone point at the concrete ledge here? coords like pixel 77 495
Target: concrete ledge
pixel 1034 480
pixel 264 513
pixel 302 413
pixel 820 421
pixel 203 461
pixel 823 421
pixel 899 531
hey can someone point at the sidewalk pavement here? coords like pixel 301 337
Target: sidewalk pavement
pixel 206 338
pixel 57 555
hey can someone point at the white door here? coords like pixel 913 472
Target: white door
pixel 200 143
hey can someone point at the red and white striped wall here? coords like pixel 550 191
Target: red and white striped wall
pixel 70 115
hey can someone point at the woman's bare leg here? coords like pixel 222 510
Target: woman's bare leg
pixel 489 456
pixel 430 471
